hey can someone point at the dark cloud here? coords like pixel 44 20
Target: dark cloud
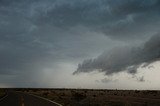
pixel 141 79
pixel 108 80
pixel 33 40
pixel 125 19
pixel 119 20
pixel 35 34
pixel 126 58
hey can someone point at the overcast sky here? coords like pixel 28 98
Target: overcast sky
pixel 111 44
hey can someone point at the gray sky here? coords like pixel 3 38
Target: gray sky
pixel 80 43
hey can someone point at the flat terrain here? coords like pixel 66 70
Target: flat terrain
pixel 2 93
pixel 22 99
pixel 89 97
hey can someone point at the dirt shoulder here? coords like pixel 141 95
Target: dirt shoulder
pixel 2 93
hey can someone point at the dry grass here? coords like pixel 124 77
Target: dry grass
pixel 2 93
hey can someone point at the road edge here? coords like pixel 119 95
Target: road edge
pixel 46 99
pixel 42 98
pixel 4 97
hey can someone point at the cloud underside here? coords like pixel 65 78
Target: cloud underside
pixel 36 35
pixel 125 19
pixel 123 58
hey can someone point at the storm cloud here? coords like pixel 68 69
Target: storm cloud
pixel 125 19
pixel 123 58
pixel 36 35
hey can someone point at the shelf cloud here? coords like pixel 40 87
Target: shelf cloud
pixel 123 58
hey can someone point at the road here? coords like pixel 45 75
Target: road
pixel 23 99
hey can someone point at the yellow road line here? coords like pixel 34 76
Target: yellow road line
pixel 22 101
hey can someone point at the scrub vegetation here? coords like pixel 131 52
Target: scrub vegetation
pixel 2 93
pixel 99 97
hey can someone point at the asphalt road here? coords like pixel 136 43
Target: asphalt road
pixel 23 99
